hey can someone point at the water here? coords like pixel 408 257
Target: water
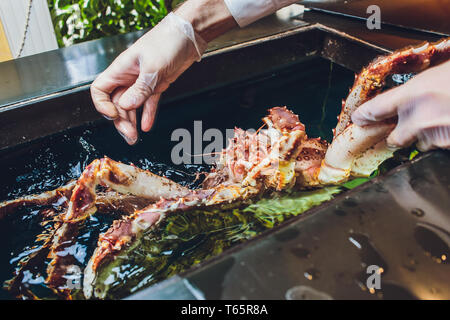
pixel 308 89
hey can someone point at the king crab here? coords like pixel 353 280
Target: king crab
pixel 280 157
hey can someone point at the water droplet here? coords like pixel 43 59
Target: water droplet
pixel 418 212
pixel 311 274
pixel 410 265
pixel 306 293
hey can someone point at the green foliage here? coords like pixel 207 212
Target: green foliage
pixel 354 183
pixel 81 20
pixel 272 211
pixel 351 184
pixel 413 154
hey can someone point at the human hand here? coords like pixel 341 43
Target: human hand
pixel 423 108
pixel 141 73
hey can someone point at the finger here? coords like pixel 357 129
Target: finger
pixel 408 125
pixel 127 115
pixel 139 92
pixel 401 137
pixel 132 117
pixel 102 91
pixel 122 72
pixel 126 122
pixel 424 146
pixel 424 118
pixel 103 104
pixel 115 96
pixel 127 130
pixel 435 137
pixel 381 107
pixel 149 112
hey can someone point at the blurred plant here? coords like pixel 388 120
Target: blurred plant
pixel 81 20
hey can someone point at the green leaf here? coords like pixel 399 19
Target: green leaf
pixel 354 183
pixel 271 211
pixel 413 154
pixel 98 18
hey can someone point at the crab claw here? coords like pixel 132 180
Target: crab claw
pixel 352 153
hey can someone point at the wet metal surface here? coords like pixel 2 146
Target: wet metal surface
pixel 388 37
pixel 325 254
pixel 429 15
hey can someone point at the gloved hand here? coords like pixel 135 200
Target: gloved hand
pixel 141 73
pixel 423 108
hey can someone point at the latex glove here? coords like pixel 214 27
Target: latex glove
pixel 141 73
pixel 422 106
pixel 248 11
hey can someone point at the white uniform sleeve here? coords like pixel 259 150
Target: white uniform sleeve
pixel 248 11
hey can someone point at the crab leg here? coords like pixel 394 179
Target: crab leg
pixel 125 204
pixel 371 80
pixel 46 198
pixel 121 178
pixel 105 202
pixel 64 235
pixel 310 157
pixel 371 159
pixel 60 254
pixel 117 176
pixel 349 146
pixel 124 232
pixel 358 151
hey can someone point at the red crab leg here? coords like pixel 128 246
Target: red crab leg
pixel 371 80
pixel 121 178
pixel 351 144
pixel 46 198
pixel 117 176
pixel 358 151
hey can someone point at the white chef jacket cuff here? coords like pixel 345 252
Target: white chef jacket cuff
pixel 248 11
